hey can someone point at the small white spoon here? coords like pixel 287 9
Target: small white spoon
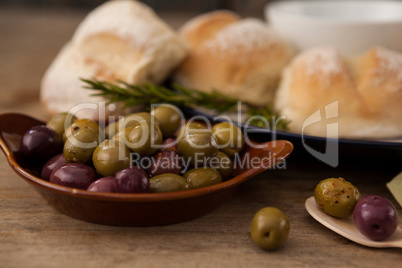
pixel 347 228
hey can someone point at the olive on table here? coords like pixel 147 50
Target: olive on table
pixel 165 161
pixel 168 118
pixel 40 143
pixel 223 164
pixel 74 175
pixel 336 197
pixel 197 147
pixel 80 146
pixel 131 180
pixel 229 138
pixel 202 177
pixel 60 121
pixel 52 164
pixel 104 184
pixel 78 124
pixel 110 157
pixel 269 228
pixel 143 138
pixel 375 217
pixel 167 182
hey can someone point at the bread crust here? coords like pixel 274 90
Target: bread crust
pixel 119 40
pixel 367 89
pixel 242 58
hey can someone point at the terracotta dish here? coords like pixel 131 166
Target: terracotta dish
pixel 130 209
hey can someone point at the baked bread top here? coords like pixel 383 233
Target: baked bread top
pixel 242 58
pixel 361 94
pixel 119 40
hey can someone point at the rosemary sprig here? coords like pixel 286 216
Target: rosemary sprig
pixel 264 117
pixel 131 95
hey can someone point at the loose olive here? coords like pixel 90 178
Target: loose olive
pixel 223 164
pixel 78 124
pixel 229 138
pixel 80 145
pixel 202 177
pixel 110 156
pixel 336 197
pixel 168 118
pixel 197 147
pixel 59 122
pixel 168 182
pixel 269 228
pixel 143 138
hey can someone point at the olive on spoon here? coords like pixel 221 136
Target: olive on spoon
pixel 347 228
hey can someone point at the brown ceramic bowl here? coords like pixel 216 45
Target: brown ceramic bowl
pixel 130 209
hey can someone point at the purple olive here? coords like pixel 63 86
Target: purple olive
pixel 105 184
pixel 170 144
pixel 166 161
pixel 375 217
pixel 40 143
pixel 53 163
pixel 74 175
pixel 131 180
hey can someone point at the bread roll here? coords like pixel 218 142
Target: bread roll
pixel 362 95
pixel 242 58
pixel 119 40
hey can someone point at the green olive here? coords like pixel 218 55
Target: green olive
pixel 269 228
pixel 79 147
pixel 110 130
pixel 336 197
pixel 143 138
pixel 168 118
pixel 202 177
pixel 189 127
pixel 229 137
pixel 223 164
pixel 168 182
pixel 197 147
pixel 78 124
pixel 59 122
pixel 132 119
pixel 110 156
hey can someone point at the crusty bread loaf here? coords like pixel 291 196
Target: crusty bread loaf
pixel 362 95
pixel 119 40
pixel 242 58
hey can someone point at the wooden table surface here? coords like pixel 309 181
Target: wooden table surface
pixel 33 234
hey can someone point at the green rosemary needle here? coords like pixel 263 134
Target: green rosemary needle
pixel 131 95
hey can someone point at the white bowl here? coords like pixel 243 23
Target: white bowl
pixel 351 26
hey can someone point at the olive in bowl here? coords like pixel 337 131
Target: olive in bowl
pixel 40 143
pixel 74 175
pixel 110 157
pixel 127 209
pixel 229 138
pixel 168 118
pixel 197 147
